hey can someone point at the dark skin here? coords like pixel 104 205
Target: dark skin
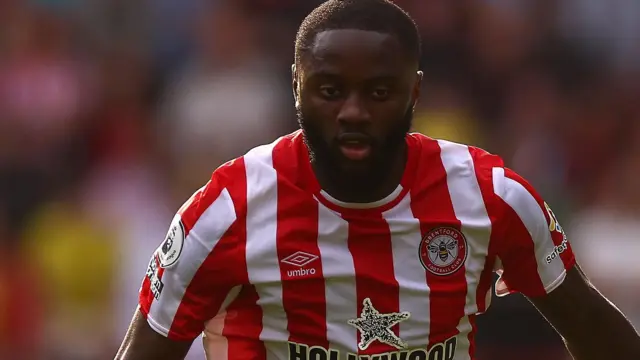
pixel 359 81
pixel 591 326
pixel 142 342
pixel 363 83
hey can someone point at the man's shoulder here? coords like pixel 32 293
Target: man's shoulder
pixel 262 156
pixel 458 159
pixel 255 173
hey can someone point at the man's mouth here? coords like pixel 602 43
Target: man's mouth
pixel 355 146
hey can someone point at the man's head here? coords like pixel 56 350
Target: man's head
pixel 355 82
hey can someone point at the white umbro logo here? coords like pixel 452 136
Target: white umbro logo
pixel 300 259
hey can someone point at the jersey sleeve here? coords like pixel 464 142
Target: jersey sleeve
pixel 533 252
pixel 190 274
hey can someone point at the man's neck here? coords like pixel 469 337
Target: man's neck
pixel 365 189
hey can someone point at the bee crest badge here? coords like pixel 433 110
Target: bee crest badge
pixel 443 251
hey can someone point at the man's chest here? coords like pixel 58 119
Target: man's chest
pixel 367 282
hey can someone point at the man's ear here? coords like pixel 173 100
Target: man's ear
pixel 415 97
pixel 295 85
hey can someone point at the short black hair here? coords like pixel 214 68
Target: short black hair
pixel 373 15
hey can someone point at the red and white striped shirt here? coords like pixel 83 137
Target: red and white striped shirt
pixel 269 266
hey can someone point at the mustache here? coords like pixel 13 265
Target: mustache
pixel 319 147
pixel 351 137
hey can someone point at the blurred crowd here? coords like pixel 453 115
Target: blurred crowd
pixel 113 112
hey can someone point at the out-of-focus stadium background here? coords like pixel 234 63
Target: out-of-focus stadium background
pixel 113 112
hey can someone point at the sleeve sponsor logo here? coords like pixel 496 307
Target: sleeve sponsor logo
pixel 169 251
pixel 152 275
pixel 554 227
pixel 557 250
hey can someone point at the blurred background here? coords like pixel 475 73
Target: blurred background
pixel 112 112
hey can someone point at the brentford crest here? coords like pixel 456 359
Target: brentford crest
pixel 443 250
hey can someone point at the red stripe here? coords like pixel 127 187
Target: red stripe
pixel 435 209
pixel 370 245
pixel 190 211
pixel 198 203
pixel 204 296
pixel 243 322
pixel 483 165
pixel 146 296
pixel 242 327
pixel 522 270
pixel 472 336
pixel 567 257
pixel 486 279
pixel 221 270
pixel 303 288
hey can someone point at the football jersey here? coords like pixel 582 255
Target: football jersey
pixel 269 266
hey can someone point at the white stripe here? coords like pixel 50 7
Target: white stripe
pixel 340 290
pixel 203 237
pixel 410 274
pixel 261 249
pixel 533 218
pixel 470 210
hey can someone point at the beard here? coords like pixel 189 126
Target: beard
pixel 355 176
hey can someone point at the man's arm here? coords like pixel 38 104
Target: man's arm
pixel 592 327
pixel 142 343
pixel 538 261
pixel 189 277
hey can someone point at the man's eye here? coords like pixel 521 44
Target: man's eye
pixel 380 93
pixel 329 92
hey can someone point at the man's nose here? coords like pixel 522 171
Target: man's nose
pixel 354 111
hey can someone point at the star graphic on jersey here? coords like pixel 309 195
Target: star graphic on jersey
pixel 375 326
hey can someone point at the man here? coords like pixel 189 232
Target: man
pixel 352 237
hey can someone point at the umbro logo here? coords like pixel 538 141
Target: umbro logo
pixel 300 259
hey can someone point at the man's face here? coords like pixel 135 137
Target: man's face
pixel 355 91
